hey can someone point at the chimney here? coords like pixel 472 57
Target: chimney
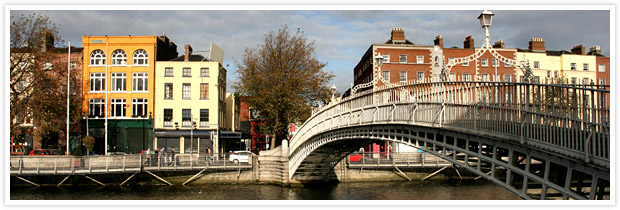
pixel 48 41
pixel 468 43
pixel 188 52
pixel 537 44
pixel 398 35
pixel 438 41
pixel 579 50
pixel 499 44
pixel 596 50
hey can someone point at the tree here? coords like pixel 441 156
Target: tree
pixel 30 36
pixel 89 143
pixel 283 80
pixel 39 79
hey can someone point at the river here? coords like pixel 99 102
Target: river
pixel 413 190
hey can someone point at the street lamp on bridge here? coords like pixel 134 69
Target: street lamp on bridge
pixel 486 19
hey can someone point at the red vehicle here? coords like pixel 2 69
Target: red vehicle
pixel 40 152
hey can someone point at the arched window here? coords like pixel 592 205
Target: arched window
pixel 119 57
pixel 97 58
pixel 140 57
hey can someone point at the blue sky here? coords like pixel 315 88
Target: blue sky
pixel 341 36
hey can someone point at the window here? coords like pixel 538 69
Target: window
pixel 403 76
pixel 484 62
pixel 119 81
pixel 601 68
pixel 204 118
pixel 585 67
pixel 96 107
pixel 556 74
pixel 97 58
pixel 495 62
pixel 452 76
pixel 73 65
pixel 536 65
pixel 168 91
pixel 167 117
pixel 204 90
pixel 119 57
pixel 465 63
pixel 485 77
pixel 139 107
pixel 507 64
pixel 47 65
pixel 548 74
pixel 573 66
pixel 386 75
pixel 118 107
pixel 97 82
pixel 386 58
pixel 187 88
pixel 204 72
pixel 187 72
pixel 496 78
pixel 140 81
pixel 187 118
pixel 436 61
pixel 403 58
pixel 573 80
pixel 586 81
pixel 507 78
pixel 536 79
pixel 466 77
pixel 418 59
pixel 168 72
pixel 601 81
pixel 420 76
pixel 140 58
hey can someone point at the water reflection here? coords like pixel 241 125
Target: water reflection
pixel 414 190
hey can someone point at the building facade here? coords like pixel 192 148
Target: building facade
pixel 189 103
pixel 119 88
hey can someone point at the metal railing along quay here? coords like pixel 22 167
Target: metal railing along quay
pixel 372 160
pixel 82 165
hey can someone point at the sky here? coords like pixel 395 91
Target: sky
pixel 340 37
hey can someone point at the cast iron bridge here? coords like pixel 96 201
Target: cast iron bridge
pixel 540 141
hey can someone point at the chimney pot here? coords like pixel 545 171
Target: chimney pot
pixel 439 41
pixel 188 52
pixel 468 43
pixel 398 35
pixel 537 44
pixel 579 50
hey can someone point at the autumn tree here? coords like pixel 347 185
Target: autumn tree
pixel 283 80
pixel 38 84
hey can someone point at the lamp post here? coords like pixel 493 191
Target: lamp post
pixel 191 137
pixel 334 89
pixel 486 19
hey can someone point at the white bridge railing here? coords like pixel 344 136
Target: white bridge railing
pixel 571 120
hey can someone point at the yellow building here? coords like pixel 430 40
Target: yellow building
pixel 119 87
pixel 574 66
pixel 190 102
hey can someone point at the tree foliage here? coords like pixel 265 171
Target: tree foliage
pixel 283 80
pixel 89 143
pixel 38 71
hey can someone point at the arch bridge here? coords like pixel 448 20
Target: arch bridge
pixel 540 141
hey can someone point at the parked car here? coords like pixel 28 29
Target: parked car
pixel 40 152
pixel 240 156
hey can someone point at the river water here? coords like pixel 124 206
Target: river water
pixel 413 190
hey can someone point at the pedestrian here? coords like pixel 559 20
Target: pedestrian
pixel 156 156
pixel 162 156
pixel 207 155
pixel 172 160
pixel 148 156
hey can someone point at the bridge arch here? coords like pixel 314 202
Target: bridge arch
pixel 528 172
